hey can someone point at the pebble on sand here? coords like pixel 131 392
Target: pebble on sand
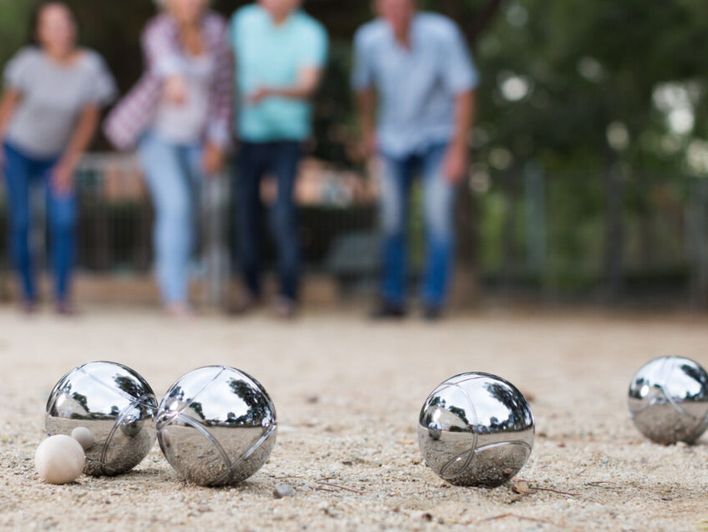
pixel 59 460
pixel 283 490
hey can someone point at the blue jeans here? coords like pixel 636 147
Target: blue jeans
pixel 173 173
pixel 22 171
pixel 397 176
pixel 256 160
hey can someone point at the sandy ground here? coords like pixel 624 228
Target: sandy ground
pixel 348 395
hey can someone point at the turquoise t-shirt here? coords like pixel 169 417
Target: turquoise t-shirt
pixel 272 56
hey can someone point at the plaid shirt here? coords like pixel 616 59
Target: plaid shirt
pixel 135 113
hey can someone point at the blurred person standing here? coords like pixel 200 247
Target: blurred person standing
pixel 49 113
pixel 179 117
pixel 280 53
pixel 418 68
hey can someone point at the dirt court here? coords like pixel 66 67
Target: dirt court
pixel 348 395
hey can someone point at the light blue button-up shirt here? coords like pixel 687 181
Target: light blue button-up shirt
pixel 417 86
pixel 273 56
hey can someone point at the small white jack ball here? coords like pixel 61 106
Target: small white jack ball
pixel 84 436
pixel 59 460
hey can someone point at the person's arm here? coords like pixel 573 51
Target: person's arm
pixel 221 103
pixel 461 79
pixel 63 174
pixel 457 158
pixel 161 48
pixel 366 107
pixel 310 65
pixel 307 83
pixel 8 104
pixel 363 82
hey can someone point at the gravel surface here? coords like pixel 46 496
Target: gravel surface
pixel 348 394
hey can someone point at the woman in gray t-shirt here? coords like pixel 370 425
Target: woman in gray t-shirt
pixel 48 116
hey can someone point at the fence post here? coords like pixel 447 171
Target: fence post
pixel 696 240
pixel 39 234
pixel 614 230
pixel 215 250
pixel 536 237
pixel 5 262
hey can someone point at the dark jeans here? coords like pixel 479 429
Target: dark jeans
pixel 23 171
pixel 279 160
pixel 438 200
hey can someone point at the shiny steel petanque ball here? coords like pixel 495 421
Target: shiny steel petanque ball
pixel 668 400
pixel 110 410
pixel 216 426
pixel 476 429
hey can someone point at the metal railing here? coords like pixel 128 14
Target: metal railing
pixel 549 233
pixel 665 240
pixel 114 231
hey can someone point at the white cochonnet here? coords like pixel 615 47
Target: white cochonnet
pixel 59 460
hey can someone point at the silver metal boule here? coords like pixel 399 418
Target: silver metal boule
pixel 476 429
pixel 668 400
pixel 112 407
pixel 216 426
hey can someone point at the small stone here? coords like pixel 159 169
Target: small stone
pixel 59 460
pixel 283 490
pixel 521 487
pixel 529 395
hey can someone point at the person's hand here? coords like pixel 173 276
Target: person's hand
pixel 212 159
pixel 456 163
pixel 63 178
pixel 175 90
pixel 259 95
pixel 369 144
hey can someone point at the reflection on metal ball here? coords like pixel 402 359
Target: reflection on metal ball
pixel 476 429
pixel 216 426
pixel 668 400
pixel 109 405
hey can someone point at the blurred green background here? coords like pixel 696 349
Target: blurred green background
pixel 590 153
